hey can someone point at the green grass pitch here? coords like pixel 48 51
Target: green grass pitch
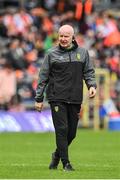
pixel 93 154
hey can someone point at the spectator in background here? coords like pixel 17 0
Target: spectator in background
pixel 8 21
pixel 3 29
pixel 7 85
pixel 23 21
pixel 15 55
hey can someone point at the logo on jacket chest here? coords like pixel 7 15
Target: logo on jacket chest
pixel 56 108
pixel 78 56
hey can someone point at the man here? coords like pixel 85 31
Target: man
pixel 64 68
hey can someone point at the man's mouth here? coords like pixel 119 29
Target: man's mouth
pixel 64 43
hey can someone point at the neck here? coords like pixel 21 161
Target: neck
pixel 71 45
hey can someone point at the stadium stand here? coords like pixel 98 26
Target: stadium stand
pixel 28 30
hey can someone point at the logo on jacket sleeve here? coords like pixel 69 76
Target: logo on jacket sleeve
pixel 78 56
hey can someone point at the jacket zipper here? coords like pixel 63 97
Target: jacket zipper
pixel 70 62
pixel 69 56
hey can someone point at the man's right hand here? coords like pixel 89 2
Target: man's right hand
pixel 39 106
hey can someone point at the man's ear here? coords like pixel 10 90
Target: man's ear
pixel 73 38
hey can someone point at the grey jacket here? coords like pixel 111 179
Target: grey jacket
pixel 63 72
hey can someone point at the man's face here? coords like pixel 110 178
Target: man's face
pixel 65 39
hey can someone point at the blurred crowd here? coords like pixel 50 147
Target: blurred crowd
pixel 27 33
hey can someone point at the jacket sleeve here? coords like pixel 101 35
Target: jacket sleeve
pixel 89 72
pixel 42 80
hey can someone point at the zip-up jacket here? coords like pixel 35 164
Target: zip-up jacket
pixel 63 72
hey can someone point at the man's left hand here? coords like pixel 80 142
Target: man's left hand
pixel 92 92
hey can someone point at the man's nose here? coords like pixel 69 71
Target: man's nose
pixel 63 38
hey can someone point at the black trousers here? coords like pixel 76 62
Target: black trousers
pixel 65 119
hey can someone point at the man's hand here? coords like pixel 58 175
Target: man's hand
pixel 39 106
pixel 92 92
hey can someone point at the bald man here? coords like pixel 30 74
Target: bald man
pixel 64 68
